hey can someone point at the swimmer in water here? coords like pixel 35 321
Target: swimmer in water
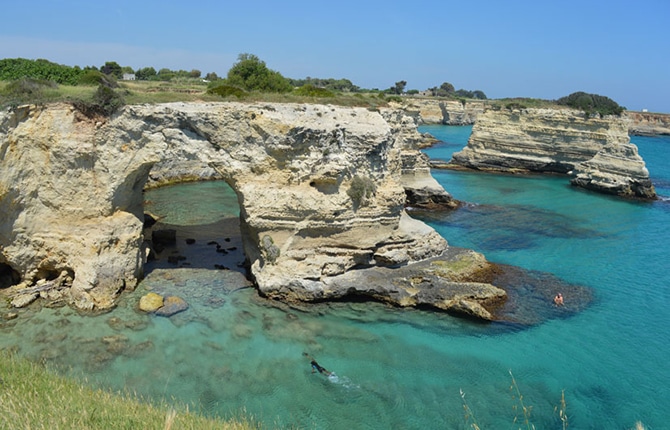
pixel 558 300
pixel 316 367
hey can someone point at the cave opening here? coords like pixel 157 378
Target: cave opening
pixel 193 225
pixel 8 276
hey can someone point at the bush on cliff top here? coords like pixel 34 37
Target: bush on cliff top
pixel 27 90
pixel 105 102
pixel 309 90
pixel 251 74
pixel 20 68
pixel 225 90
pixel 591 103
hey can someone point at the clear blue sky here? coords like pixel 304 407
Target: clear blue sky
pixel 506 48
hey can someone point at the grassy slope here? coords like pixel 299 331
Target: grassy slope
pixel 33 397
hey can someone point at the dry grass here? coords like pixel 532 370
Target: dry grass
pixel 33 397
pixel 187 90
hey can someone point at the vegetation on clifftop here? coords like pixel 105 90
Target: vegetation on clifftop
pixel 102 91
pixel 591 103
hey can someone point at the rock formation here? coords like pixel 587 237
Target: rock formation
pixel 647 124
pixel 448 112
pixel 320 192
pixel 596 151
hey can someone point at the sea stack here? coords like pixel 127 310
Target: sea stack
pixel 594 151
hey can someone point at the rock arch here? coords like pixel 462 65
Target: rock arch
pixel 71 192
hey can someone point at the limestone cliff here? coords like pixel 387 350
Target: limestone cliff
pixel 448 112
pixel 647 124
pixel 596 151
pixel 320 192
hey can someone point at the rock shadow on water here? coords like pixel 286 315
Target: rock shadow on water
pixel 512 227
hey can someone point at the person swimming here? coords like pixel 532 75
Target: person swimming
pixel 558 300
pixel 316 367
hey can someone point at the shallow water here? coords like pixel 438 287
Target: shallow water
pixel 233 351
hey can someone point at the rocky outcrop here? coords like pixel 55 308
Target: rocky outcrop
pixel 647 124
pixel 596 152
pixel 421 189
pixel 447 112
pixel 320 190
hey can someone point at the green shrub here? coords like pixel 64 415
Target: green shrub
pixel 94 77
pixel 360 189
pixel 252 74
pixel 26 90
pixel 270 250
pixel 104 102
pixel 20 68
pixel 310 90
pixel 29 86
pixel 591 103
pixel 225 90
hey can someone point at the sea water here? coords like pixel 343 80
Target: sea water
pixel 232 352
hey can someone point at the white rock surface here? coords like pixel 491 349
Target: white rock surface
pixel 596 151
pixel 71 191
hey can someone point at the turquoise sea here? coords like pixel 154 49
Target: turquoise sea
pixel 232 352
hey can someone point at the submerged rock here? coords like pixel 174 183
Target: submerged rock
pixel 172 306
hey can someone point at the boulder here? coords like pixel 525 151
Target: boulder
pixel 23 300
pixel 151 302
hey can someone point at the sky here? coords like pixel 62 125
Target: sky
pixel 505 48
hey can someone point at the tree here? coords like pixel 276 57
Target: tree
pixel 464 93
pixel 251 74
pixel 211 76
pixel 165 74
pixel 591 103
pixel 445 90
pixel 195 73
pixel 145 73
pixel 447 87
pixel 399 87
pixel 112 68
pixel 478 94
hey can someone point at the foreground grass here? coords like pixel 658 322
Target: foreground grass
pixel 33 397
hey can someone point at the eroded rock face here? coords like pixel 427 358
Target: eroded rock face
pixel 448 112
pixel 596 152
pixel 320 192
pixel 647 124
